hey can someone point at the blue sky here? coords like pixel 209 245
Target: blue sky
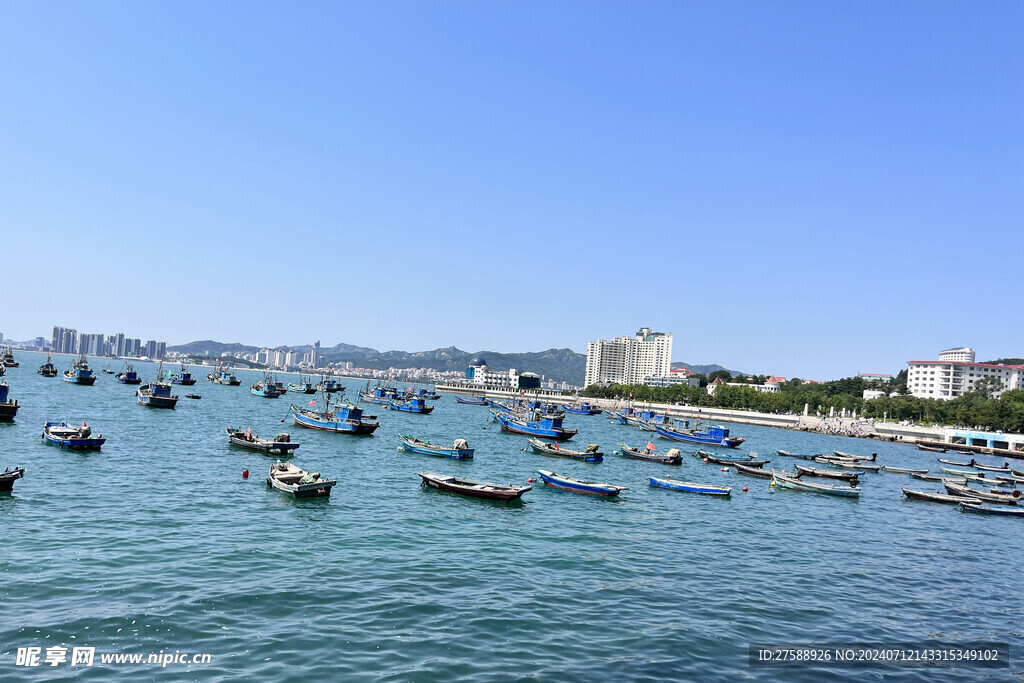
pixel 803 188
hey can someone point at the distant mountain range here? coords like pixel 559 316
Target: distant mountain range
pixel 704 369
pixel 561 365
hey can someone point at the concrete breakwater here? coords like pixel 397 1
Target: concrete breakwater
pixel 847 426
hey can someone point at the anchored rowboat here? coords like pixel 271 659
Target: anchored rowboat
pixel 460 450
pixel 904 470
pixel 474 489
pixel 980 509
pixel 827 474
pixel 288 478
pixel 281 444
pixel 785 482
pixel 673 457
pixel 937 497
pixel 690 487
pixel 592 454
pixel 9 476
pixel 579 485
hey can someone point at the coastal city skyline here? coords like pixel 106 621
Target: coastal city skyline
pixel 789 202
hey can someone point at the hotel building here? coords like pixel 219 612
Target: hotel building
pixel 628 360
pixel 955 373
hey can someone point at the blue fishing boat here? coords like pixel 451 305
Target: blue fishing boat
pixel 267 388
pixel 339 418
pixel 66 436
pixel 471 400
pixel 690 487
pixel 582 408
pixel 8 407
pixel 223 376
pixel 459 450
pixel 128 375
pixel 48 369
pixel 412 405
pixel 561 481
pixel 79 373
pixel 157 394
pixel 382 395
pixel 428 394
pixel 305 386
pixel 184 377
pixel 708 436
pixel 966 506
pixel 538 424
pixel 329 385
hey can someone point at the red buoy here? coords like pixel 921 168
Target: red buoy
pixel 705 459
pixel 245 474
pixel 744 488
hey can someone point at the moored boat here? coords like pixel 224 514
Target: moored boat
pixel 157 394
pixel 1002 469
pixel 936 497
pixel 281 444
pixel 780 480
pixel 984 496
pixel 591 454
pixel 747 460
pixel 195 396
pixel 67 436
pixel 904 470
pixel 343 418
pixel 562 481
pixel 956 463
pixel 850 464
pixel 582 408
pixel 459 450
pixel 826 474
pixel 937 477
pixel 288 478
pixel 841 454
pixel 802 456
pixel 9 476
pixel 8 406
pixel 474 489
pixel 266 387
pixel 471 400
pixel 330 385
pixel 412 405
pixel 672 457
pixel 79 373
pixel 48 369
pixel 223 376
pixel 753 471
pixel 382 395
pixel 708 436
pixel 184 377
pixel 930 449
pixel 690 487
pixel 8 359
pixel 305 386
pixel 547 426
pixel 966 506
pixel 128 375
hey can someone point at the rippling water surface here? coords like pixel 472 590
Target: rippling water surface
pixel 157 543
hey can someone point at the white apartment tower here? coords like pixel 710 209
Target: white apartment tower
pixel 628 360
pixel 961 354
pixel 955 373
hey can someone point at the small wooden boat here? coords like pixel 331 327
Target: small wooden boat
pixel 957 463
pixel 691 487
pixel 1002 469
pixel 474 489
pixel 672 457
pixel 459 450
pixel 969 474
pixel 809 456
pixel 826 474
pixel 745 460
pixel 288 478
pixel 904 470
pixel 795 483
pixel 195 396
pixel 281 444
pixel 471 400
pixel 984 496
pixel 754 471
pixel 938 477
pixel 851 464
pixel 67 436
pixel 579 485
pixel 966 506
pixel 841 454
pixel 1016 472
pixel 931 449
pixel 936 497
pixel 591 454
pixel 9 476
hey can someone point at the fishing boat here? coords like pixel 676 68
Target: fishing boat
pixel 128 375
pixel 647 420
pixel 753 471
pixel 382 395
pixel 8 360
pixel 193 396
pixel 782 481
pixel 79 373
pixel 471 400
pixel 1002 469
pixel 938 477
pixel 474 489
pixel 582 408
pixel 547 426
pixel 966 506
pixel 157 394
pixel 459 450
pixel 936 497
pixel 67 436
pixel 809 456
pixel 184 377
pixel 340 418
pixel 428 394
pixel 305 386
pixel 591 454
pixel 708 436
pixel 288 478
pixel 281 444
pixel 9 476
pixel 930 449
pixel 330 385
pixel 560 481
pixel 672 457
pixel 8 406
pixel 984 496
pixel 106 369
pixel 413 405
pixel 690 487
pixel 267 388
pixel 48 369
pixel 904 470
pixel 850 464
pixel 957 463
pixel 826 474
pixel 223 376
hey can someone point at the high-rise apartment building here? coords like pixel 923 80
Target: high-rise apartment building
pixel 628 360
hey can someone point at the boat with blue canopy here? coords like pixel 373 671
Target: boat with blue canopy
pixel 223 376
pixel 343 418
pixel 330 385
pixel 157 394
pixel 538 424
pixel 305 386
pixel 79 373
pixel 566 483
pixel 267 388
pixel 8 407
pixel 412 405
pixel 128 375
pixel 708 436
pixel 582 408
pixel 184 377
pixel 381 395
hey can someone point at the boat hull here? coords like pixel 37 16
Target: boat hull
pixel 578 485
pixel 338 427
pixel 9 476
pixel 697 438
pixel 484 490
pixel 690 487
pixel 424 448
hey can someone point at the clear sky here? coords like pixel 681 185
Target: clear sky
pixel 809 189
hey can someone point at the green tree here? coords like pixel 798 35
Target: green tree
pixel 988 386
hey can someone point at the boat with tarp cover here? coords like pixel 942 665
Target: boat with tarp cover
pixel 672 457
pixel 288 478
pixel 591 454
pixel 459 450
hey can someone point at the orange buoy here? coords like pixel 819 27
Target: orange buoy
pixel 245 474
